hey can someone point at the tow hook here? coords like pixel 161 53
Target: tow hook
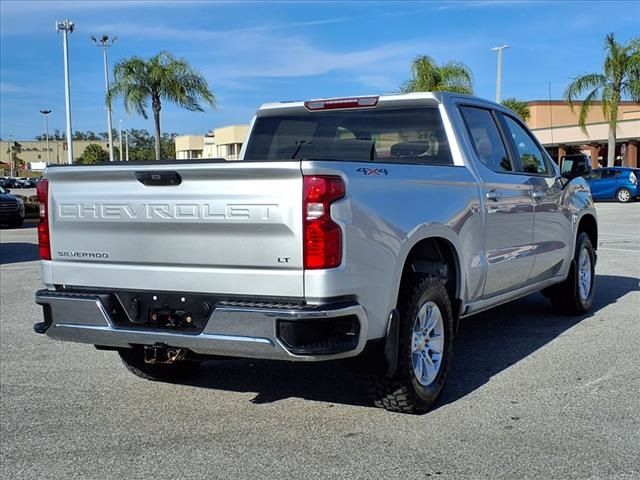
pixel 162 353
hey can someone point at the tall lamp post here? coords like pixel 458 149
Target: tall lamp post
pixel 499 49
pixel 46 113
pixel 67 27
pixel 105 43
pixel 120 138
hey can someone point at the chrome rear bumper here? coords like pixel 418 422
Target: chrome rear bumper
pixel 232 330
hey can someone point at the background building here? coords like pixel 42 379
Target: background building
pixel 556 126
pixel 223 142
pixel 34 152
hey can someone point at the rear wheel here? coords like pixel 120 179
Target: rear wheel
pixel 133 359
pixel 424 355
pixel 574 296
pixel 624 195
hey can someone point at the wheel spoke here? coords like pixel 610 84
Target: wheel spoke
pixel 418 365
pixel 434 318
pixel 436 343
pixel 422 313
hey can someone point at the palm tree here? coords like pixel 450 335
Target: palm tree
pixel 519 108
pixel 427 76
pixel 620 79
pixel 162 77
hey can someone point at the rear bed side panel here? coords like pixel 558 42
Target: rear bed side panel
pixel 227 228
pixel 383 217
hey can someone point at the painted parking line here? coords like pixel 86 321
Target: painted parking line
pixel 635 252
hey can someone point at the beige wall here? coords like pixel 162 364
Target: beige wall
pixel 596 133
pixel 225 142
pixel 230 134
pixel 36 151
pixel 543 112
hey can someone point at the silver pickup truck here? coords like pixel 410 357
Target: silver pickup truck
pixel 358 228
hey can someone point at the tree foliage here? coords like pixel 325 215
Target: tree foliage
pixel 427 76
pixel 619 80
pixel 94 153
pixel 519 108
pixel 160 78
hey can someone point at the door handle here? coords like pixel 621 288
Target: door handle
pixel 538 194
pixel 494 195
pixel 159 179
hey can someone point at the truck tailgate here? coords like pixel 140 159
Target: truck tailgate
pixel 219 228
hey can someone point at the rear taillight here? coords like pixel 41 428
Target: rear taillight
pixel 44 241
pixel 322 236
pixel 633 178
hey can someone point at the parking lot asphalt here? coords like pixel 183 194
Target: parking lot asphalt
pixel 530 395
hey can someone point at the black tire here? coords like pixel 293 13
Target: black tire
pixel 16 222
pixel 566 297
pixel 133 359
pixel 624 195
pixel 403 392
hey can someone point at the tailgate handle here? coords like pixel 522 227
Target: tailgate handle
pixel 159 179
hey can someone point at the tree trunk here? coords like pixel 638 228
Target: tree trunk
pixel 611 147
pixel 156 105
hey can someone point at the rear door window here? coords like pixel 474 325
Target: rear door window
pixel 532 158
pixel 486 139
pixel 398 135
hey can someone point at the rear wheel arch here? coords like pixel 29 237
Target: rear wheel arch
pixel 432 256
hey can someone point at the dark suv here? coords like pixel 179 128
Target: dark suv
pixel 11 209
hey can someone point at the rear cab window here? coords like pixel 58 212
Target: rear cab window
pixel 486 138
pixel 383 135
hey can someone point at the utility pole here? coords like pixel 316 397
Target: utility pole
pixel 499 49
pixel 46 113
pixel 105 44
pixel 126 140
pixel 120 138
pixel 67 27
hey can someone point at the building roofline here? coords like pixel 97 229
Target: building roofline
pixel 575 102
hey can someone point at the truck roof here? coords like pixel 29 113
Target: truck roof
pixel 418 98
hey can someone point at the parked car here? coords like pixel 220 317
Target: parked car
pixel 11 209
pixel 358 228
pixel 614 183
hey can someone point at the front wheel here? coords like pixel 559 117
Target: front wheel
pixel 624 195
pixel 574 296
pixel 424 355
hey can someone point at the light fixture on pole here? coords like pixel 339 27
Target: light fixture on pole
pixel 499 49
pixel 105 43
pixel 46 113
pixel 67 27
pixel 120 138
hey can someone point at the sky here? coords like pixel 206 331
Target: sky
pixel 256 52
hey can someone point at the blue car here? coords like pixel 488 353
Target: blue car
pixel 614 183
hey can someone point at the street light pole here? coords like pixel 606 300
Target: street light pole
pixel 46 113
pixel 11 155
pixel 120 138
pixel 104 43
pixel 499 49
pixel 126 141
pixel 67 27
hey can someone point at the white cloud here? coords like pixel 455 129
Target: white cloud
pixel 10 88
